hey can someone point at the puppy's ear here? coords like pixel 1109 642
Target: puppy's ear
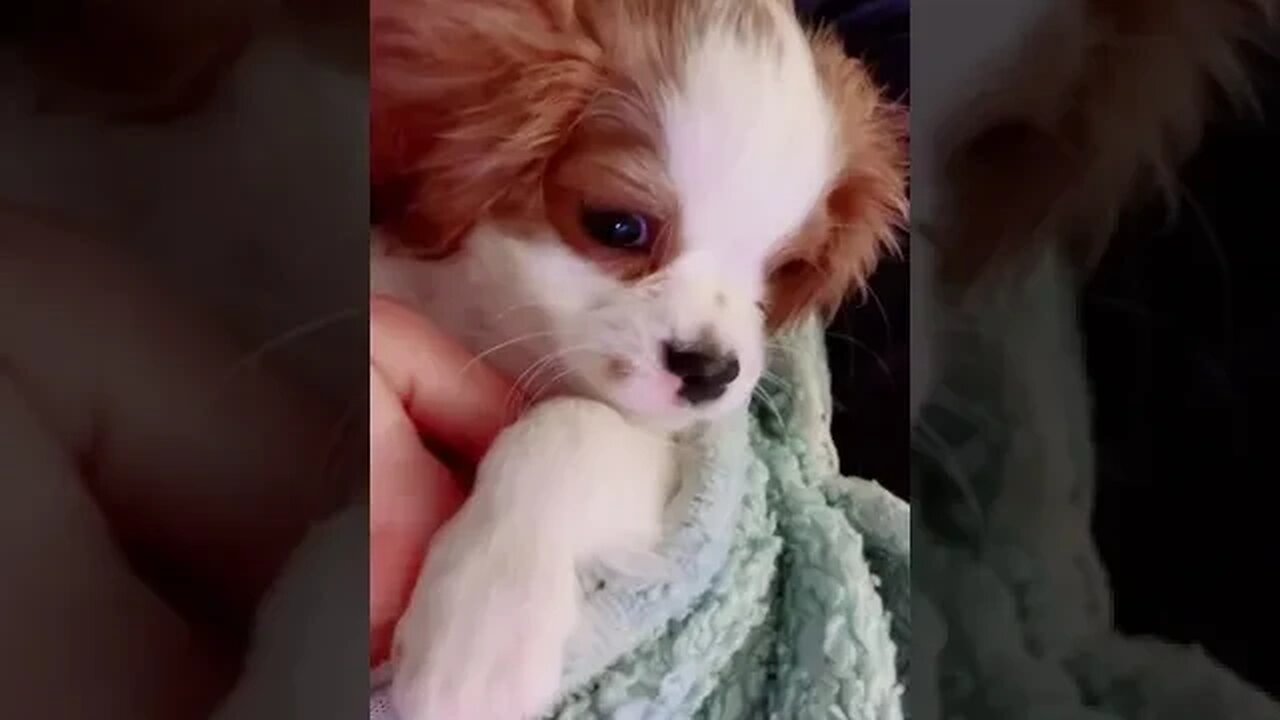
pixel 1111 121
pixel 469 102
pixel 839 247
pixel 1004 182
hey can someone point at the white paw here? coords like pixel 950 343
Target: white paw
pixel 484 636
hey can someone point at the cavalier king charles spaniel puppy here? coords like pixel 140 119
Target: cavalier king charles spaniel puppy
pixel 615 203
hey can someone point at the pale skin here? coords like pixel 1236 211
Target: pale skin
pixel 125 436
pixel 421 384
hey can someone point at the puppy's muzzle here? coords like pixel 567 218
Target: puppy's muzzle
pixel 704 369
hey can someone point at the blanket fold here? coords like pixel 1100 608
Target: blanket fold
pixel 1011 596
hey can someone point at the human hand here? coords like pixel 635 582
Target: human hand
pixel 422 385
pixel 154 485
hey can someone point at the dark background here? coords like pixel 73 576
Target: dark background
pixel 867 344
pixel 1181 327
pixel 1181 324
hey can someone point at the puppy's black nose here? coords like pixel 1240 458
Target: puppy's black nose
pixel 705 369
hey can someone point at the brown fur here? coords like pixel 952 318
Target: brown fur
pixel 1088 131
pixel 518 111
pixel 469 103
pixel 606 170
pixel 839 248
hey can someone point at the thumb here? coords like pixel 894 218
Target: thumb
pixel 451 399
pixel 411 495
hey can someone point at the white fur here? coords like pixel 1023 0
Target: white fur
pixel 749 145
pixel 487 626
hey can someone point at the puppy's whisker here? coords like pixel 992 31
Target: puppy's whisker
pixel 858 344
pixel 534 397
pixel 884 314
pixel 294 334
pixel 523 383
pixel 927 441
pixel 777 380
pixel 499 347
pixel 768 403
pixel 778 384
pixel 513 401
pixel 533 390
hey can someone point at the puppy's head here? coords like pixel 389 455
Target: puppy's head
pixel 666 181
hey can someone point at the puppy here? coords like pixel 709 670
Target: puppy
pixel 616 204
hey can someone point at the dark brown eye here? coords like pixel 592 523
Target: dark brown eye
pixel 615 229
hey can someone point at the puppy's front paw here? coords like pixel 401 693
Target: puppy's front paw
pixel 484 637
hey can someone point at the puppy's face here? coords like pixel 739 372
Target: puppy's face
pixel 677 181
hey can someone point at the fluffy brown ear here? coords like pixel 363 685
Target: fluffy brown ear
pixel 468 104
pixel 838 248
pixel 1111 122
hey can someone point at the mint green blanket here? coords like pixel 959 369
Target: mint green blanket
pixel 791 594
pixel 1011 604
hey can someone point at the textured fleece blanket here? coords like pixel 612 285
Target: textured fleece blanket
pixel 792 592
pixel 1011 604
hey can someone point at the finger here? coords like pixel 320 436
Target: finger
pixel 80 630
pixel 452 399
pixel 411 495
pixel 218 471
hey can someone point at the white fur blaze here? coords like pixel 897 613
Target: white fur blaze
pixel 484 636
pixel 485 633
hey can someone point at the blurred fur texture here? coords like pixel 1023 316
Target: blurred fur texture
pixel 1096 110
pixel 770 174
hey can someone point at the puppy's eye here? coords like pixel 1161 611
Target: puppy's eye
pixel 615 229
